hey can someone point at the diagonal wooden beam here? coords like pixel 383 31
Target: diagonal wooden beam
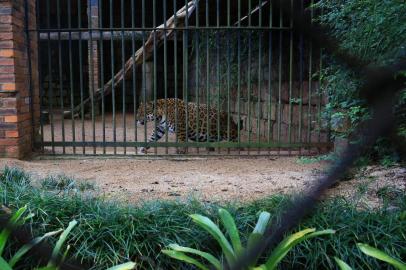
pixel 167 29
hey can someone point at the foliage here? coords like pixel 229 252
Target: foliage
pixel 375 253
pixel 64 183
pixel 18 219
pixel 231 251
pixel 373 30
pixel 109 233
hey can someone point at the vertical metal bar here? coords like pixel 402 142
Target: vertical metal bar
pixel 50 84
pixel 124 81
pixel 41 86
pixel 103 107
pixel 208 105
pixel 166 74
pixel 228 73
pixel 134 74
pixel 82 109
pixel 280 79
pixel 319 99
pixel 239 75
pixel 301 45
pixel 175 59
pixel 60 75
pixel 144 78
pixel 91 67
pixel 290 75
pixel 320 94
pixel 155 68
pixel 186 70
pixel 113 91
pixel 72 97
pixel 270 124
pixel 218 70
pixel 259 90
pixel 197 52
pixel 309 116
pixel 249 74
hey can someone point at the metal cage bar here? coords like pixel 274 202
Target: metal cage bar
pixel 237 78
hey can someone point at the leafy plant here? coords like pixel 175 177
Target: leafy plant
pixel 233 249
pixel 18 219
pixel 375 253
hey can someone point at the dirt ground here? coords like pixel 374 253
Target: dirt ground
pixel 208 179
pixel 211 179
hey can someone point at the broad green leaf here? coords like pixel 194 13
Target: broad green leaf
pixel 182 257
pixel 289 242
pixel 261 267
pixel 61 240
pixel 342 265
pixel 24 249
pixel 4 265
pixel 232 230
pixel 212 228
pixel 380 255
pixel 216 263
pixel 47 268
pixel 124 266
pixel 259 229
pixel 14 221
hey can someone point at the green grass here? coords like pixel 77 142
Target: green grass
pixel 109 233
pixel 65 183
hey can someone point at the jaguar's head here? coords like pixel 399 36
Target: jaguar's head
pixel 145 113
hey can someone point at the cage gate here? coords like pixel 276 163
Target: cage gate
pixel 214 77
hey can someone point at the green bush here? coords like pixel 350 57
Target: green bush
pixel 232 250
pixel 373 30
pixel 110 233
pixel 59 252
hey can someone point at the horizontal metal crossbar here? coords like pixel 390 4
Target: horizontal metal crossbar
pixel 146 28
pixel 188 144
pixel 95 35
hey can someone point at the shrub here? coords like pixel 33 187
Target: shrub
pixel 232 251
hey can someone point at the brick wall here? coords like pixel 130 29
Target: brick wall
pixel 16 131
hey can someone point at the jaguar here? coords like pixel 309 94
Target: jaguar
pixel 202 122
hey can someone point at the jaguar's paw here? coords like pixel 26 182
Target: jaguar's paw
pixel 142 151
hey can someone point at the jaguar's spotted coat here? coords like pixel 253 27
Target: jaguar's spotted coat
pixel 199 129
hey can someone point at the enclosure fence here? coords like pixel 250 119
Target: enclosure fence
pixel 244 82
pixel 379 90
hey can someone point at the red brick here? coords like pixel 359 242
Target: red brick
pixel 8 87
pixel 8 142
pixel 12 134
pixel 12 151
pixel 11 119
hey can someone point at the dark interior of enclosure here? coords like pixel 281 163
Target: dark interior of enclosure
pixel 122 15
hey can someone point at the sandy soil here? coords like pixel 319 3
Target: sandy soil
pixel 211 179
pixel 208 179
